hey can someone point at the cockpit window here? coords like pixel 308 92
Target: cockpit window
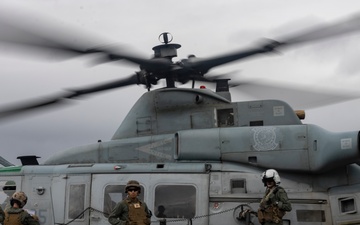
pixel 175 201
pixel 114 194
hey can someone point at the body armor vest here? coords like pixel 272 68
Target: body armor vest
pixel 269 212
pixel 137 213
pixel 12 219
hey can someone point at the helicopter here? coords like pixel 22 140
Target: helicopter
pixel 197 155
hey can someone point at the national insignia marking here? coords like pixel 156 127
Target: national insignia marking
pixel 264 138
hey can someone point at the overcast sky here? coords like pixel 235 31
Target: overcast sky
pixel 204 28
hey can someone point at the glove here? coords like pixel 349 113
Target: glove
pixel 279 204
pixel 35 217
pixel 242 214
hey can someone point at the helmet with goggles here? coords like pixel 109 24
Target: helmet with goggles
pixel 270 175
pixel 20 198
pixel 132 185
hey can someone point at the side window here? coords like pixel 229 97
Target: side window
pixel 114 194
pixel 225 117
pixel 347 205
pixel 175 201
pixel 238 185
pixel 76 207
pixel 8 188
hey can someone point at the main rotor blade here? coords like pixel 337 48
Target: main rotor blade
pixel 44 38
pixel 61 41
pixel 298 96
pixel 352 24
pixel 133 79
pixel 317 33
pixel 204 65
pixel 57 99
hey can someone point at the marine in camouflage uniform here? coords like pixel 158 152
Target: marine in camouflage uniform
pixel 275 202
pixel 16 215
pixel 131 211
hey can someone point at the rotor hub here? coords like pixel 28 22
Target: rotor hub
pixel 165 50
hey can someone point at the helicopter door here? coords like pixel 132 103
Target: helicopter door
pixel 38 190
pixel 77 199
pixel 175 197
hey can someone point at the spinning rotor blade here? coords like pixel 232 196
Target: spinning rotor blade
pixel 133 79
pixel 352 24
pixel 63 41
pixel 69 42
pixel 298 96
pixel 326 31
pixel 27 106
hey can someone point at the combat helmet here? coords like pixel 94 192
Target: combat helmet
pixel 270 174
pixel 20 198
pixel 132 184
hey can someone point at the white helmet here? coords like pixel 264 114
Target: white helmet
pixel 270 174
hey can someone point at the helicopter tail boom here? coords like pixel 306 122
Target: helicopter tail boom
pixel 297 148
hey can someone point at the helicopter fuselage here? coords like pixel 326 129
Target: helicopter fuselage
pixel 199 156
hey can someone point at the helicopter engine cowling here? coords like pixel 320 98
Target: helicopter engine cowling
pixel 297 147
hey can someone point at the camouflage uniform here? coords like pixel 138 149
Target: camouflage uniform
pixel 130 212
pixel 18 216
pixel 273 206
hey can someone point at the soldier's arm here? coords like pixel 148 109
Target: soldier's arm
pixel 29 219
pixel 283 203
pixel 148 211
pixel 147 221
pixel 115 215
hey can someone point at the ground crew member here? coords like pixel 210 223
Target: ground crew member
pixel 16 215
pixel 131 211
pixel 161 212
pixel 275 201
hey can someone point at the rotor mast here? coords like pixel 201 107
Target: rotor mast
pixel 166 50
